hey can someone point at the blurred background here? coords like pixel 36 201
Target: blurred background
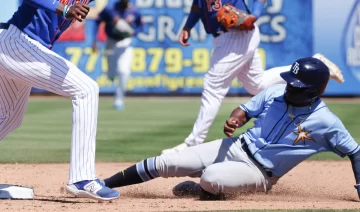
pixel 290 29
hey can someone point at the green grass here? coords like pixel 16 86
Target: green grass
pixel 147 126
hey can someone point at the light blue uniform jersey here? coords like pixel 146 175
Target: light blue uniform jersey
pixel 280 141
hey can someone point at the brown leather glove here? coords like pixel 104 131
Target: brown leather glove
pixel 231 17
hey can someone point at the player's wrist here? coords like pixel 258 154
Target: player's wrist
pixel 257 8
pixel 66 10
pixel 60 9
pixel 186 29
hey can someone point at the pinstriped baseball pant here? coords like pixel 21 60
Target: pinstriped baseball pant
pixel 235 55
pixel 25 63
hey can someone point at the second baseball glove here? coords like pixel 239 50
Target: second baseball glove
pixel 231 17
pixel 122 29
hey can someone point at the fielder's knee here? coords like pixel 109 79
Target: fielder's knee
pixel 214 89
pixel 89 88
pixel 93 87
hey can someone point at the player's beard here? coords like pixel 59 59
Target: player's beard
pixel 300 97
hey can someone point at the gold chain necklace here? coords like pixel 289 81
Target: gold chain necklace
pixel 292 116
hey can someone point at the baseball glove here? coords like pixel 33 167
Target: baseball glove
pixel 122 29
pixel 231 17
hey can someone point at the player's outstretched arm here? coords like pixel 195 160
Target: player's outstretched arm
pixel 258 7
pixel 193 18
pixel 139 24
pixel 344 144
pixel 78 11
pixel 355 162
pixel 237 119
pixel 249 22
pixel 104 15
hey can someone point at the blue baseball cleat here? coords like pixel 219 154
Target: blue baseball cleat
pixel 93 189
pixel 119 107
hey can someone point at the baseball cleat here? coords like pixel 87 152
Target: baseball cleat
pixel 335 72
pixel 119 107
pixel 187 189
pixel 177 148
pixel 93 189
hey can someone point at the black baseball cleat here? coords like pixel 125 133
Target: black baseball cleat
pixel 187 189
pixel 207 196
pixel 193 189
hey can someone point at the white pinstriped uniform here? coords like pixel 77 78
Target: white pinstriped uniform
pixel 235 55
pixel 25 63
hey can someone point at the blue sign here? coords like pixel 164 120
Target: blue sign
pixel 162 65
pixel 334 36
pixel 289 30
pixel 351 41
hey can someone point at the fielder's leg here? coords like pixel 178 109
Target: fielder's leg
pixel 111 58
pixel 123 71
pixel 13 101
pixel 335 72
pixel 233 51
pixel 255 79
pixel 27 60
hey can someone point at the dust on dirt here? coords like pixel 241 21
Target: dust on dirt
pixel 311 185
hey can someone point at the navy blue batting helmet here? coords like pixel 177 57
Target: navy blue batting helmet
pixel 307 80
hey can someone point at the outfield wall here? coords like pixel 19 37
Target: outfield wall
pixel 289 29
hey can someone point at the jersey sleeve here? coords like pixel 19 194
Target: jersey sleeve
pixel 340 140
pixel 46 5
pixel 255 105
pixel 138 22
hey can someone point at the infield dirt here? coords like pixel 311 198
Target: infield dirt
pixel 311 185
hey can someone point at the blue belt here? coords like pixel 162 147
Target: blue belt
pixel 4 26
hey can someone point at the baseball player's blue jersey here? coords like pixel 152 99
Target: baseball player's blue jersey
pixel 37 19
pixel 280 142
pixel 113 10
pixel 209 8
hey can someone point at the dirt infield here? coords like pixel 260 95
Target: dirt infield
pixel 311 185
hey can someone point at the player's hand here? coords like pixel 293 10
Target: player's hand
pixel 184 37
pixel 248 23
pixel 78 11
pixel 230 126
pixel 95 47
